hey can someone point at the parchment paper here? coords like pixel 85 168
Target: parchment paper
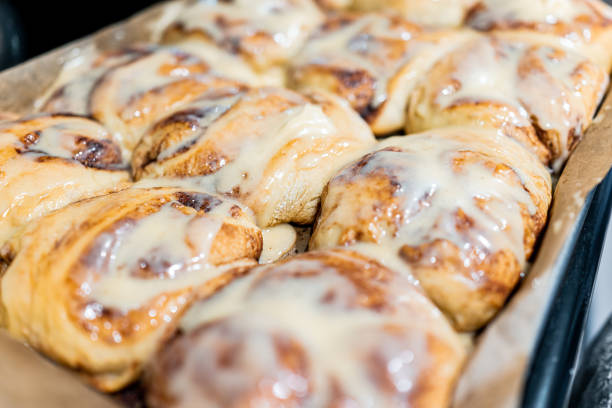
pixel 495 373
pixel 28 380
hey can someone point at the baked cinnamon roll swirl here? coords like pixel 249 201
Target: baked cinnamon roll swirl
pixel 270 148
pixel 131 96
pixel 585 26
pixel 100 283
pixel 266 33
pixel 48 161
pixel 374 61
pixel 542 96
pixel 322 329
pixel 459 209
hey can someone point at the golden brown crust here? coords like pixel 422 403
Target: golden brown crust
pixel 405 211
pixel 353 310
pixel 100 283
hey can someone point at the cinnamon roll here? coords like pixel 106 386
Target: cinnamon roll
pixel 458 209
pixel 542 96
pixel 372 60
pixel 72 89
pixel 435 13
pixel 585 26
pixel 100 283
pixel 48 161
pixel 322 329
pixel 266 33
pixel 131 96
pixel 270 148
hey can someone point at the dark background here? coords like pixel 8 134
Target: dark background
pixel 29 28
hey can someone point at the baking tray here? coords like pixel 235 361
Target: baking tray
pixel 560 340
pixel 535 339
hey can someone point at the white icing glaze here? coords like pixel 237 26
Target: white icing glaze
pixel 175 244
pixel 54 142
pixel 500 72
pixel 31 186
pixel 301 122
pixel 277 242
pixel 304 121
pixel 59 139
pixel 431 174
pixel 51 136
pixel 336 338
pixel 260 165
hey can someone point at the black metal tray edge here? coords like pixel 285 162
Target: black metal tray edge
pixel 551 370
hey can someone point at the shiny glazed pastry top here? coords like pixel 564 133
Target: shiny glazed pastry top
pixel 99 284
pixel 264 32
pixel 71 91
pixel 458 209
pixel 48 161
pixel 580 25
pixel 270 148
pixel 321 329
pixel 542 96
